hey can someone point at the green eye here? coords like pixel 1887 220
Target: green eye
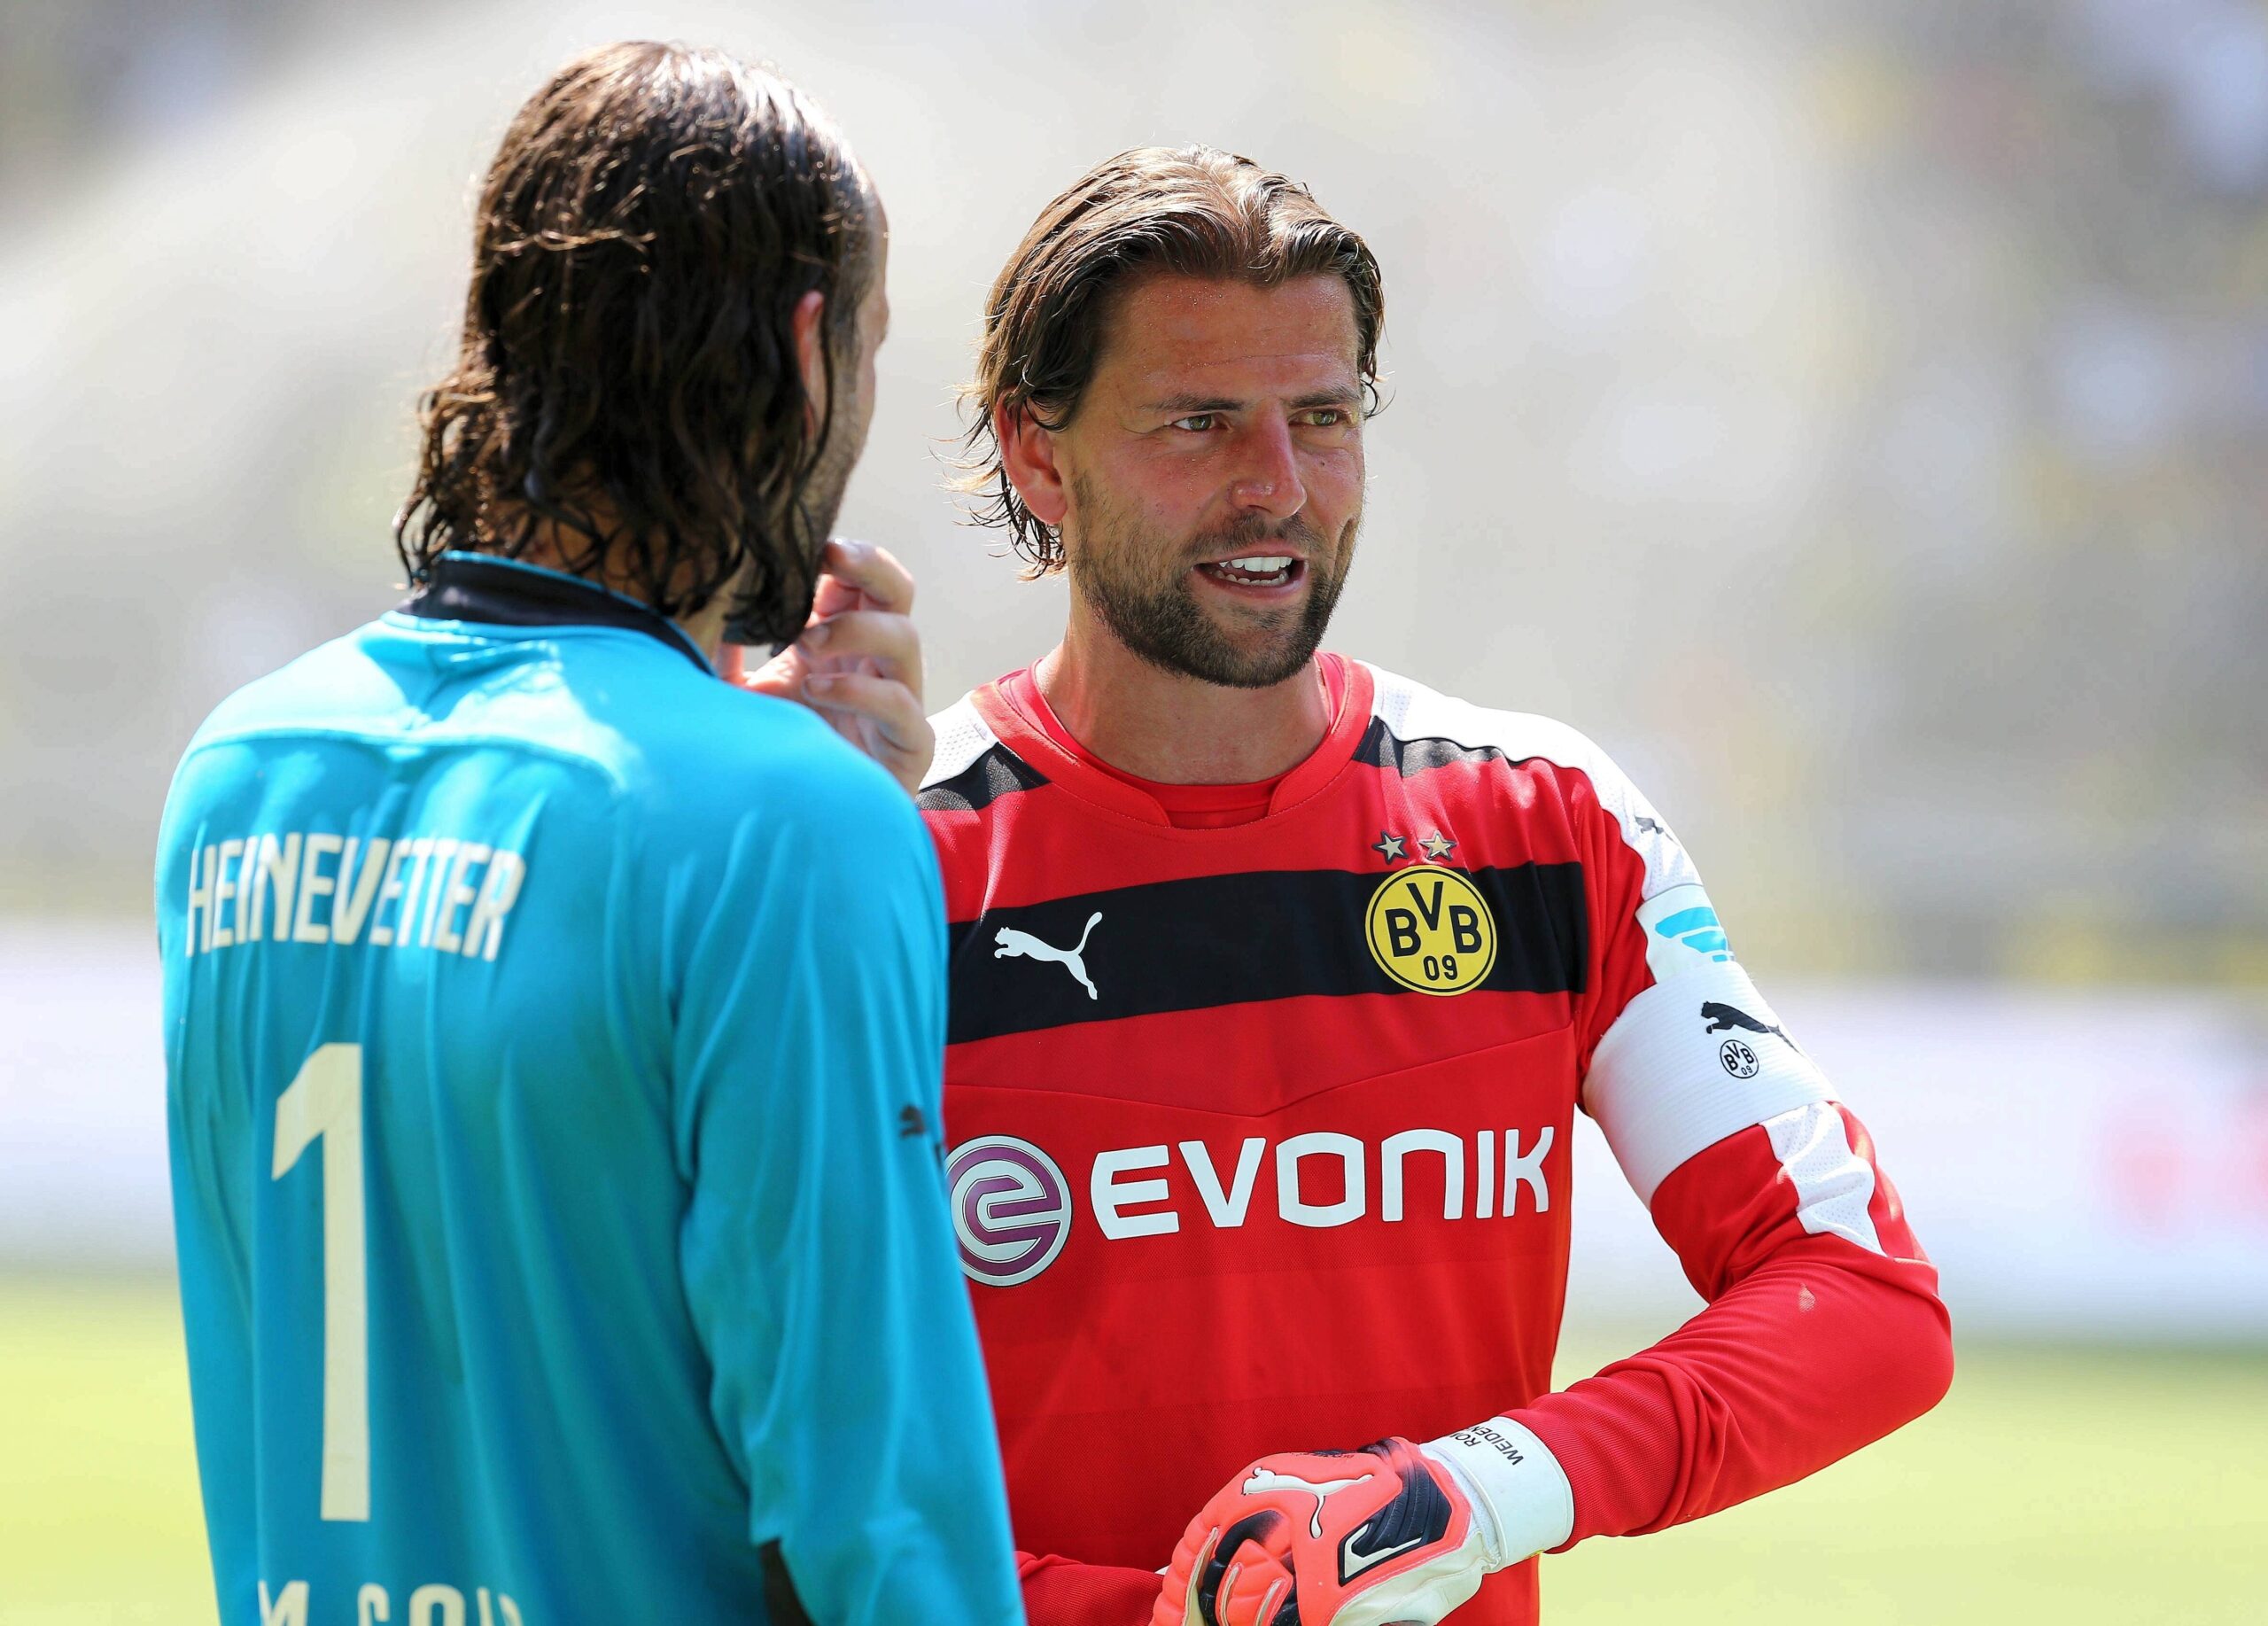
pixel 1197 423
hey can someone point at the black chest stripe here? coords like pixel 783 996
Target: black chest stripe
pixel 1214 941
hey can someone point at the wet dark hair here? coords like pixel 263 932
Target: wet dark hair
pixel 1189 212
pixel 628 369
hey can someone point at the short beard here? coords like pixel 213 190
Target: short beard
pixel 1160 621
pixel 806 526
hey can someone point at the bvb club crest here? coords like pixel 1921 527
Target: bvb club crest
pixel 1430 929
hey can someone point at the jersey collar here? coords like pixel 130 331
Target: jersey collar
pixel 1075 772
pixel 480 587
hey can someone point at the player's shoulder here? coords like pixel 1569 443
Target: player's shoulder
pixel 972 767
pixel 726 757
pixel 333 684
pixel 1413 727
pixel 631 720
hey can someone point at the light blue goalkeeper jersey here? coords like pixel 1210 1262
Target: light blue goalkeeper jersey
pixel 553 1036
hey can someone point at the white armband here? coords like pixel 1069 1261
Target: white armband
pixel 1689 1061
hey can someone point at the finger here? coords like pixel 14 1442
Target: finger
pixel 1180 1602
pixel 888 641
pixel 1225 1599
pixel 783 676
pixel 1254 1592
pixel 874 571
pixel 889 705
pixel 901 738
pixel 1274 1600
pixel 834 596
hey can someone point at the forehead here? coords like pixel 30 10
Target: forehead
pixel 1185 332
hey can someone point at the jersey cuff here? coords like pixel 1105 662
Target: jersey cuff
pixel 1520 1492
pixel 1689 1062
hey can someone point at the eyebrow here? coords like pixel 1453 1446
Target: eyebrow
pixel 1191 403
pixel 1335 396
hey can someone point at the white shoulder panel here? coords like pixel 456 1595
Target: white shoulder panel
pixel 962 738
pixel 1412 712
pixel 1834 1185
pixel 1699 1056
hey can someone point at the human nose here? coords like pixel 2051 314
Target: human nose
pixel 1267 472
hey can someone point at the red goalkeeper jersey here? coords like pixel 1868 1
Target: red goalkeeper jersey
pixel 1259 1134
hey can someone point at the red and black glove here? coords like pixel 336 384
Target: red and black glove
pixel 1396 1532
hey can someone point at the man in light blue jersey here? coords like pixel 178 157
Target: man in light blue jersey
pixel 553 1029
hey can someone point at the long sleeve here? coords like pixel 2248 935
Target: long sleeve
pixel 817 1252
pixel 1823 1331
pixel 1815 1342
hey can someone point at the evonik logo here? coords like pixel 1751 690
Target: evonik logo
pixel 1012 1207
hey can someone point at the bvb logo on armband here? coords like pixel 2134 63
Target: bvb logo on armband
pixel 1430 929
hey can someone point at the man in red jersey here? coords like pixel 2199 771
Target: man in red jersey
pixel 1278 980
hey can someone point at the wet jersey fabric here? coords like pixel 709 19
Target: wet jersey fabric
pixel 1259 1135
pixel 553 1034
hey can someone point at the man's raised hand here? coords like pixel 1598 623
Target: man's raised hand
pixel 859 662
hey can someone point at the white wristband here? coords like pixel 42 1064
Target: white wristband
pixel 1520 1492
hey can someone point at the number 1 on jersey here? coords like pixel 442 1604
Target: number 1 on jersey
pixel 326 1101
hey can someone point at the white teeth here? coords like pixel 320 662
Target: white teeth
pixel 1266 567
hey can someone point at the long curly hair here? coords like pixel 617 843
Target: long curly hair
pixel 628 370
pixel 1191 212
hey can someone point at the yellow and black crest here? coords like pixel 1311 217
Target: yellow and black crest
pixel 1430 929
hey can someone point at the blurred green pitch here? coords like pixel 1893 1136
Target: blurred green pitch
pixel 2054 1485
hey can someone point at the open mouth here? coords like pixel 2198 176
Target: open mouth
pixel 1266 569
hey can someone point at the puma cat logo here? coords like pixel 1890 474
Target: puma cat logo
pixel 1012 942
pixel 1268 1479
pixel 1724 1018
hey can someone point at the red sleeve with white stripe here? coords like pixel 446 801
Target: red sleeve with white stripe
pixel 1823 1331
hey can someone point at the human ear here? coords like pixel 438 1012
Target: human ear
pixel 811 356
pixel 1028 457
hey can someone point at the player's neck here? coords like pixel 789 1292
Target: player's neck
pixel 1174 729
pixel 705 627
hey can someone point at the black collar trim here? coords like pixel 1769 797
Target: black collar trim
pixel 469 586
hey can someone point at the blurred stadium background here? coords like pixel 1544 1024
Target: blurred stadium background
pixel 1854 416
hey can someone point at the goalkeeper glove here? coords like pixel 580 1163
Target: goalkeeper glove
pixel 1395 1532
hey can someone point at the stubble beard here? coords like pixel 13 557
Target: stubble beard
pixel 808 523
pixel 830 479
pixel 1140 589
